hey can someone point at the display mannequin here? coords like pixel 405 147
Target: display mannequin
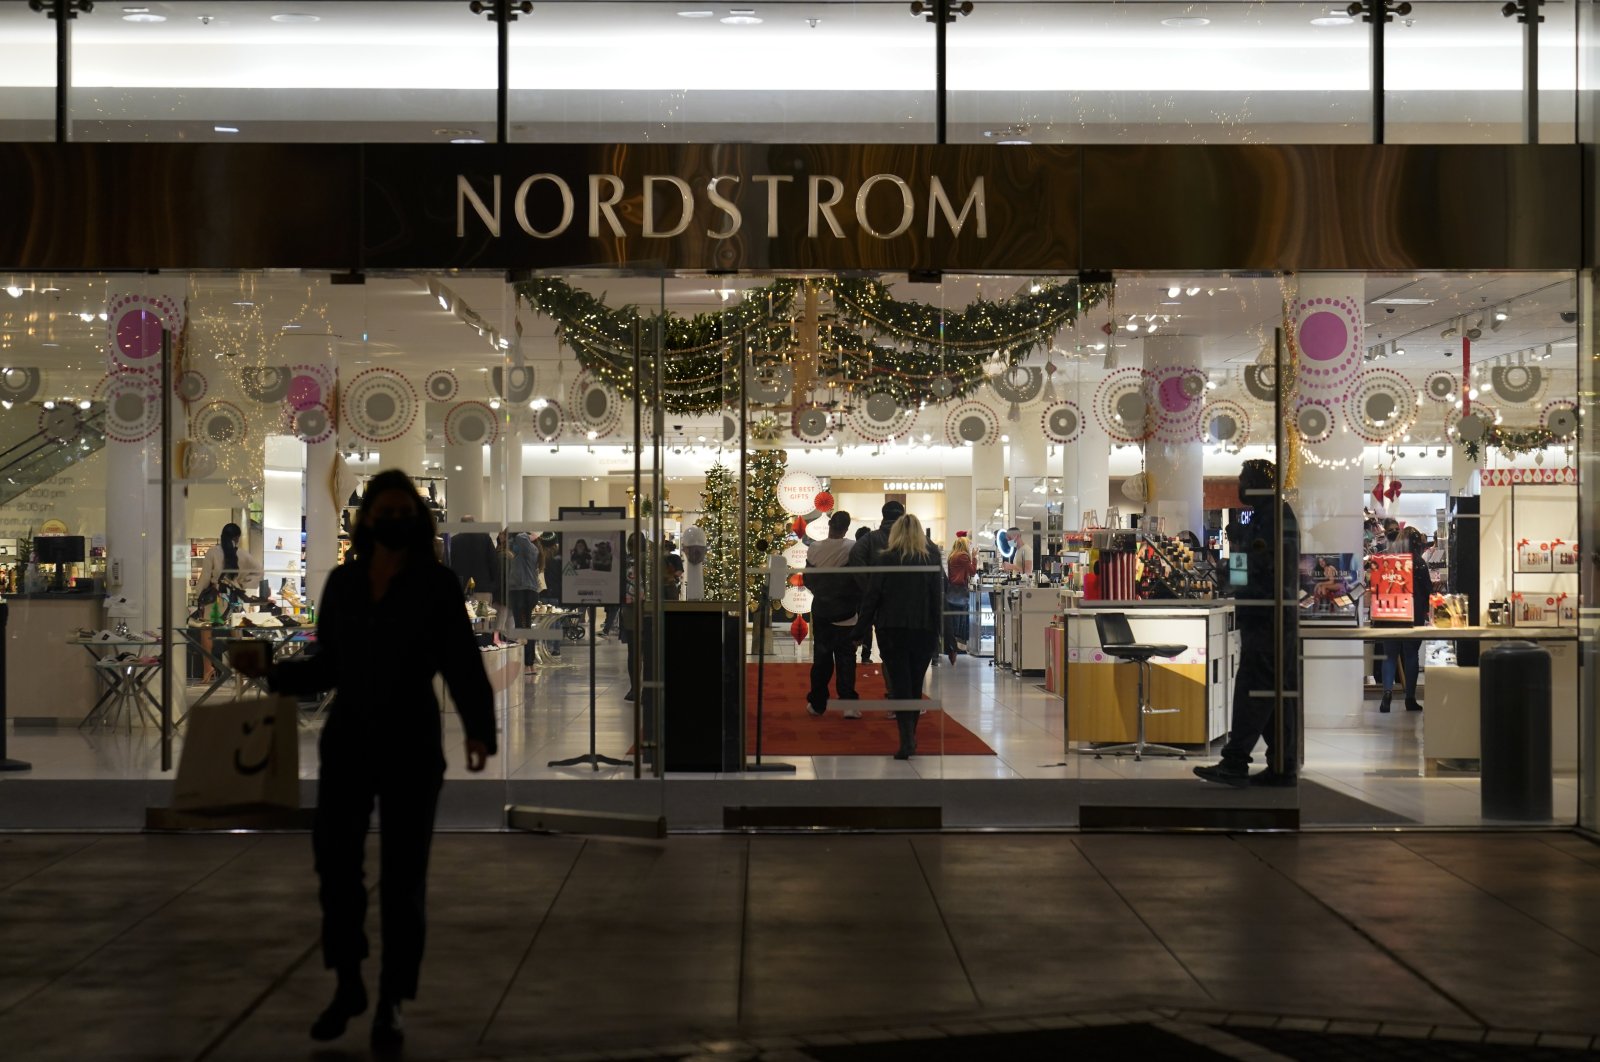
pixel 694 555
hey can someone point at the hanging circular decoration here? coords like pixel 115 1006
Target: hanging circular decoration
pixel 797 493
pixel 134 323
pixel 730 428
pixel 470 424
pixel 441 385
pixel 547 422
pixel 879 418
pixel 1519 385
pixel 810 424
pixel 1225 423
pixel 771 384
pixel 1314 421
pixel 1260 382
pixel 379 405
pixel 191 386
pixel 1382 405
pixel 313 424
pixel 823 501
pixel 1178 397
pixel 971 424
pixel 1018 384
pixel 1063 422
pixel 513 385
pixel 20 385
pixel 1441 387
pixel 595 407
pixel 267 384
pixel 133 405
pixel 60 424
pixel 1474 425
pixel 942 387
pixel 1122 405
pixel 196 460
pixel 1327 334
pixel 1560 418
pixel 220 423
pixel 310 385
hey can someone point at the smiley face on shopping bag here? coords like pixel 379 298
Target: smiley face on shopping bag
pixel 254 753
pixel 241 753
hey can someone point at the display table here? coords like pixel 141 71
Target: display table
pixel 1102 697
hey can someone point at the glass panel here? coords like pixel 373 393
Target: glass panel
pixel 1558 73
pixel 1589 574
pixel 337 72
pixel 1454 75
pixel 28 76
pixel 1158 73
pixel 616 72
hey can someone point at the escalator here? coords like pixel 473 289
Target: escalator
pixel 34 458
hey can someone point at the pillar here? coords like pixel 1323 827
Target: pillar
pixel 323 505
pixel 536 498
pixel 130 543
pixel 1325 321
pixel 1174 454
pixel 463 473
pixel 409 452
pixel 958 514
pixel 503 504
pixel 988 487
pixel 1086 468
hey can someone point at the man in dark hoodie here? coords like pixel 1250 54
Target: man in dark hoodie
pixel 835 599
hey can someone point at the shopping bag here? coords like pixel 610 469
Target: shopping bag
pixel 241 753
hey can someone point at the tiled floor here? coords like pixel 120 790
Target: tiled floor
pixel 177 948
pixel 1379 762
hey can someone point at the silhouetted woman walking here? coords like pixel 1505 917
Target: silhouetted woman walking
pixel 390 619
pixel 907 608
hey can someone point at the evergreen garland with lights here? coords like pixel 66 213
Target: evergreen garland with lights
pixel 870 340
pixel 1513 441
pixel 719 519
pixel 765 521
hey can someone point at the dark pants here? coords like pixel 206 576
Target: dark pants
pixel 906 656
pixel 833 651
pixel 522 602
pixel 1406 653
pixel 406 802
pixel 1255 717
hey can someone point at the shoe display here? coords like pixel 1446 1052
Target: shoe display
pixel 1236 775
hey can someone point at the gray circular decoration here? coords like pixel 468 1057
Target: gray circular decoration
pixel 810 424
pixel 1314 422
pixel 547 422
pixel 313 424
pixel 219 423
pixel 199 460
pixel 266 385
pixel 60 425
pixel 1440 387
pixel 1473 426
pixel 880 418
pixel 1131 407
pixel 730 428
pixel 1561 418
pixel 594 406
pixel 133 405
pixel 942 387
pixel 470 424
pixel 1261 383
pixel 882 407
pixel 971 423
pixel 514 384
pixel 1519 384
pixel 1062 422
pixel 379 405
pixel 441 385
pixel 1018 385
pixel 20 385
pixel 772 384
pixel 1225 423
pixel 191 386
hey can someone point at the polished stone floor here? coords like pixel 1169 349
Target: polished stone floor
pixel 1379 762
pixel 205 947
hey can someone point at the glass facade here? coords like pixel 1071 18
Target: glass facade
pixel 1083 437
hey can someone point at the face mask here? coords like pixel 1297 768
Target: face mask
pixel 393 532
pixel 1391 535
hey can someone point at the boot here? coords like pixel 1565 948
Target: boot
pixel 387 1031
pixel 349 1000
pixel 911 729
pixel 1383 705
pixel 905 721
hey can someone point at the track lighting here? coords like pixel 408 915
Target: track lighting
pixel 1173 293
pixel 1476 331
pixel 1502 314
pixel 1451 330
pixel 1191 291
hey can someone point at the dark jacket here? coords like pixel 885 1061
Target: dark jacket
pixel 1258 539
pixel 871 546
pixel 1421 589
pixel 381 657
pixel 904 600
pixel 835 597
pixel 473 556
pixel 552 575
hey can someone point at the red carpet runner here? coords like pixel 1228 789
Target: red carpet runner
pixel 790 731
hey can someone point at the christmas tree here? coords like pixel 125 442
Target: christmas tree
pixel 764 522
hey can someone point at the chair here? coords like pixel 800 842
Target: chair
pixel 1116 639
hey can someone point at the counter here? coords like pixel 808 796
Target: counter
pixel 1020 622
pixel 1102 696
pixel 48 680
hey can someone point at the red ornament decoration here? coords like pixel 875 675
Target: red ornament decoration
pixel 799 629
pixel 823 502
pixel 799 526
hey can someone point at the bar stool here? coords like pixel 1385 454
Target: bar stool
pixel 1116 639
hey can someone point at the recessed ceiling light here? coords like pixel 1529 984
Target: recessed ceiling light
pixel 224 129
pixel 141 14
pixel 467 140
pixel 741 16
pixel 696 14
pixel 446 131
pixel 243 302
pixel 1186 20
pixel 1014 143
pixel 1333 18
pixel 296 16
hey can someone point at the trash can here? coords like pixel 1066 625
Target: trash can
pixel 1514 731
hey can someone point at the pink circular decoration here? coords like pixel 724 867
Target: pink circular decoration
pixel 1323 336
pixel 304 392
pixel 139 334
pixel 1170 395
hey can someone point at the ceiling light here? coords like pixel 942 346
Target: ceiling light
pixel 48 404
pixel 1191 291
pixel 468 140
pixel 296 16
pixel 86 317
pixel 1502 315
pixel 1172 293
pixel 224 129
pixel 243 302
pixel 1399 351
pixel 14 291
pixel 1451 330
pixel 1005 438
pixel 1132 325
pixel 84 403
pixel 740 16
pixel 494 403
pixel 1332 19
pixel 1151 327
pixel 696 14
pixel 444 303
pixel 1396 300
pixel 1186 20
pixel 141 14
pixel 1013 143
pixel 594 435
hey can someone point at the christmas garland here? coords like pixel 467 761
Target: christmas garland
pixel 870 341
pixel 1512 441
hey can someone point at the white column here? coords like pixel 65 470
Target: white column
pixel 536 498
pixel 409 452
pixel 1173 457
pixel 504 500
pixel 988 475
pixel 129 542
pixel 323 504
pixel 1325 322
pixel 1086 475
pixel 463 472
pixel 958 515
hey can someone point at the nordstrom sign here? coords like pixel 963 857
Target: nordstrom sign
pixel 881 206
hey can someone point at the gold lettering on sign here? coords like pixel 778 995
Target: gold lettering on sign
pixel 908 209
pixel 465 193
pixel 519 206
pixel 824 207
pixel 607 206
pixel 772 180
pixel 727 206
pixel 976 203
pixel 685 196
